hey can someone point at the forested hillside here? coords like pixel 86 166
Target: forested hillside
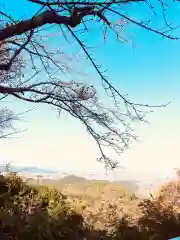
pixel 75 185
pixel 43 212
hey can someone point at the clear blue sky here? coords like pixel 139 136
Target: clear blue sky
pixel 149 73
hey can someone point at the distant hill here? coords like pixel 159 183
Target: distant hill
pixel 71 179
pixel 31 169
pixel 72 185
pixel 131 185
pixel 95 188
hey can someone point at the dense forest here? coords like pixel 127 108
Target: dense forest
pixel 36 211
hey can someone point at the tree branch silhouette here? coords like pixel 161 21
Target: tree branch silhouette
pixel 23 49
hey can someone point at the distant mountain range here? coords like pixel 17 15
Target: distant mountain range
pixel 53 177
pixel 131 185
pixel 72 185
pixel 30 169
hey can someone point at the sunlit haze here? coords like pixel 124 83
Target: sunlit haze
pixel 149 73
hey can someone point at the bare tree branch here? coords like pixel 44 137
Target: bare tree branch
pixel 7 66
pixel 26 58
pixel 53 3
pixel 49 17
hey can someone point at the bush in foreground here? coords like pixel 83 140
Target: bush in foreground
pixel 42 212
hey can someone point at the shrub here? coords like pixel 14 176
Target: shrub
pixel 42 212
pixel 36 213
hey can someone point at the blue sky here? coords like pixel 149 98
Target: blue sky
pixel 149 73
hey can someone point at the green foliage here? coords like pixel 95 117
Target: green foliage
pixel 7 168
pixel 35 213
pixel 43 212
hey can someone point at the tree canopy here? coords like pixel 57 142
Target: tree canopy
pixel 26 56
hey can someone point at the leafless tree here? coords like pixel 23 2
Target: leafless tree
pixel 26 56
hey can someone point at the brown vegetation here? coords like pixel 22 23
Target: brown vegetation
pixel 42 212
